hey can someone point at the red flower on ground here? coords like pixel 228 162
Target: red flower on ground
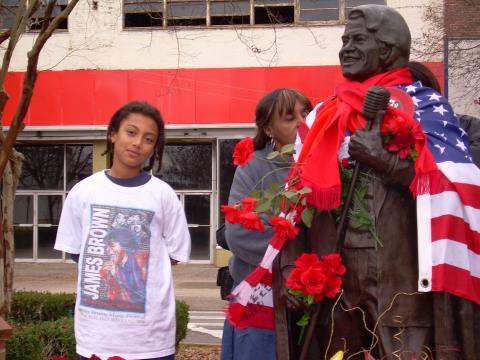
pixel 115 358
pixel 283 228
pixel 243 152
pixel 60 358
pixel 94 357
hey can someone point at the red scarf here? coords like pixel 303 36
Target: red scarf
pixel 318 161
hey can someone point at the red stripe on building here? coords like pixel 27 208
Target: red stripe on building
pixel 184 96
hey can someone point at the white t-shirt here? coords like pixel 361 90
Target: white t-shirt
pixel 125 237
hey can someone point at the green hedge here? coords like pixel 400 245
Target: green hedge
pixel 42 341
pixel 41 329
pixel 34 306
pixel 181 314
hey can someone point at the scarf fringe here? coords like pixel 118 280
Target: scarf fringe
pixel 235 315
pixel 323 198
pixel 421 183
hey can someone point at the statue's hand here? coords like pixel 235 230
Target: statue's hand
pixel 291 302
pixel 366 146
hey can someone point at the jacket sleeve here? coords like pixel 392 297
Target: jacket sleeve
pixel 472 126
pixel 249 246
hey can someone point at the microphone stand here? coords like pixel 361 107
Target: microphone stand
pixel 375 105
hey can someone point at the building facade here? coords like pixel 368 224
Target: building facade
pixel 462 52
pixel 203 63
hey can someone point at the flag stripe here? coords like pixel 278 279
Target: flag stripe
pixel 468 193
pixel 456 281
pixel 449 203
pixel 456 254
pixel 466 173
pixel 454 228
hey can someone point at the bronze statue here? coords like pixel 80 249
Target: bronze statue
pixel 380 313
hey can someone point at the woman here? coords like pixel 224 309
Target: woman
pixel 277 117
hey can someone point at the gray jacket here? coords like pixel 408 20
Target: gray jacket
pixel 248 247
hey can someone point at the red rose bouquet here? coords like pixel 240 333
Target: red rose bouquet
pixel 400 137
pixel 313 279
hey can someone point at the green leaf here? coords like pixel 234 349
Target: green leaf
pixel 272 155
pixel 264 205
pixel 289 194
pixel 287 149
pixel 296 293
pixel 307 216
pixel 309 299
pixel 304 319
pixel 255 194
pixel 304 190
pixel 271 191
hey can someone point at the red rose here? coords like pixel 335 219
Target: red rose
pixel 115 358
pixel 305 261
pixel 231 213
pixel 250 221
pixel 243 152
pixel 294 282
pixel 283 228
pixel 249 204
pixel 314 280
pixel 334 262
pixel 332 287
pixel 94 357
pixel 60 358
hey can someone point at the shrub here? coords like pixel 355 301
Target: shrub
pixel 41 330
pixel 34 306
pixel 181 313
pixel 43 340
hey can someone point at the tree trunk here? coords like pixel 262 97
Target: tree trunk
pixel 9 184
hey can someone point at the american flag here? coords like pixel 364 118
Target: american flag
pixel 448 216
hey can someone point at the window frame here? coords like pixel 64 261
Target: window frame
pixel 35 19
pixel 253 4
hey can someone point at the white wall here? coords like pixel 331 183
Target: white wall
pixel 95 40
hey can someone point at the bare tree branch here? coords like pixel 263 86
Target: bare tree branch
pixel 31 77
pixel 5 35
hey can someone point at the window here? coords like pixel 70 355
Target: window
pixel 8 8
pixel 167 13
pixel 37 19
pixel 188 168
pixel 49 172
pixel 226 171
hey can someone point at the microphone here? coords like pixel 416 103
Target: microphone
pixel 376 101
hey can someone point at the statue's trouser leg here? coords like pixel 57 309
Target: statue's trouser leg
pixel 356 315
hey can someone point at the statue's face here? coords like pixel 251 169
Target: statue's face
pixel 360 52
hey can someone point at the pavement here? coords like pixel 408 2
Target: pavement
pixel 194 283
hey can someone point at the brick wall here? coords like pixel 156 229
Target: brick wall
pixel 462 18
